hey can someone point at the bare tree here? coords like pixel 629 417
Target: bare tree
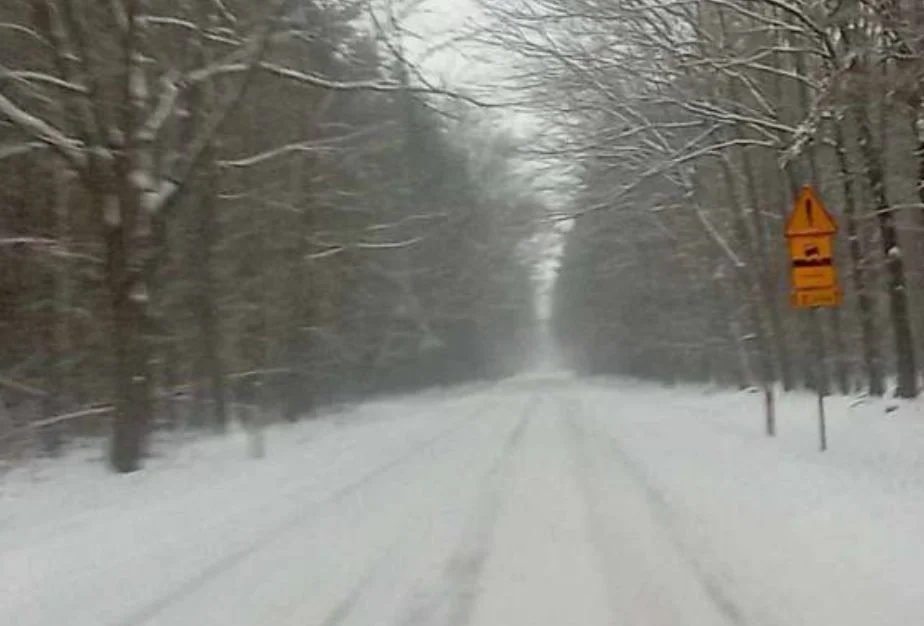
pixel 708 116
pixel 225 215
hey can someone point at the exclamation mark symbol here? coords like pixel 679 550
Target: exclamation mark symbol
pixel 808 211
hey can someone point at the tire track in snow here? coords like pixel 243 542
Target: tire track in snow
pixel 344 608
pixel 451 600
pixel 49 529
pixel 658 505
pixel 277 533
pixel 594 518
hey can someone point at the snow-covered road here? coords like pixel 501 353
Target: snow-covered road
pixel 542 500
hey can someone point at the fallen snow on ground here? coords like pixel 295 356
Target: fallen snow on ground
pixel 542 500
pixel 788 535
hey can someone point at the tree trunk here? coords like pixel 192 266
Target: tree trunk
pixel 751 289
pixel 163 358
pixel 872 358
pixel 296 394
pixel 841 368
pixel 730 330
pixel 210 367
pixel 130 378
pixel 129 294
pixel 917 127
pixel 906 367
pixel 768 279
pixel 765 271
pixel 175 399
pixel 56 326
pixel 294 381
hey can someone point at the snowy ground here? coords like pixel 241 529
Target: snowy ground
pixel 542 500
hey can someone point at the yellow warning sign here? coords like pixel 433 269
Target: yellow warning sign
pixel 809 216
pixel 810 230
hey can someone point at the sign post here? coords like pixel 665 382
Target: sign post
pixel 810 231
pixel 822 382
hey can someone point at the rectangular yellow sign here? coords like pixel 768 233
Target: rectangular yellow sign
pixel 820 277
pixel 815 249
pixel 812 298
pixel 812 262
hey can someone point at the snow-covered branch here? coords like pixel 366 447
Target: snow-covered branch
pixel 390 245
pixel 42 78
pixel 322 82
pixel 67 147
pixel 316 146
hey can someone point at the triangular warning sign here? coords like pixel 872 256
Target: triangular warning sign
pixel 809 216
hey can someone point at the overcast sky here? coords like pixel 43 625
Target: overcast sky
pixel 435 40
pixel 434 27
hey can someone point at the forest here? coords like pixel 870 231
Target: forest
pixel 692 126
pixel 227 209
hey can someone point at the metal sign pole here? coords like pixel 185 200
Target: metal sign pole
pixel 821 382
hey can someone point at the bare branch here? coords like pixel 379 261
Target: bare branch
pixel 70 149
